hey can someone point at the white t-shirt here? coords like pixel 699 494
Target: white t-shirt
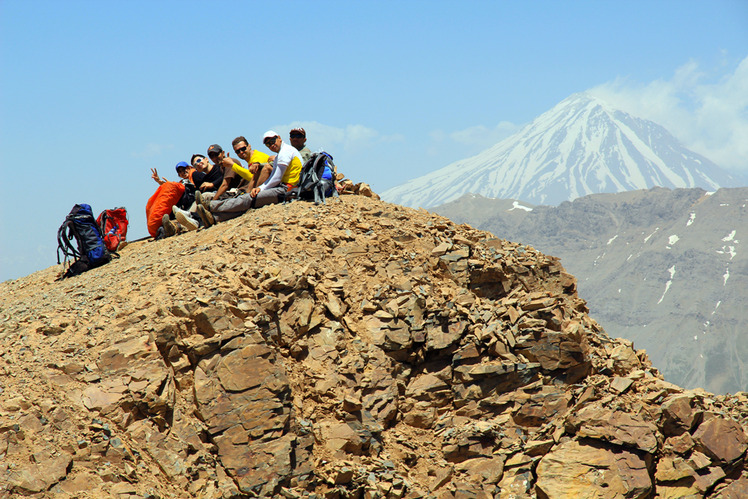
pixel 285 157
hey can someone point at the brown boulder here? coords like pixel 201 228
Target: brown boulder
pixel 722 439
pixel 617 427
pixel 573 469
pixel 679 414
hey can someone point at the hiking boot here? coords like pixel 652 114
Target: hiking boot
pixel 176 209
pixel 169 228
pixel 185 219
pixel 199 201
pixel 205 215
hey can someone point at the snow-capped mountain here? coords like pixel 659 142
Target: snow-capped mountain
pixel 582 146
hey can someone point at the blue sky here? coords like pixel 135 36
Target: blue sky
pixel 93 94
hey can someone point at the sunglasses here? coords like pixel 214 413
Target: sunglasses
pixel 269 142
pixel 240 150
pixel 296 135
pixel 199 160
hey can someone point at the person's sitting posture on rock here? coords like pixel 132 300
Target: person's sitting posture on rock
pixel 286 164
pixel 284 176
pixel 232 181
pixel 298 140
pixel 213 174
pixel 258 167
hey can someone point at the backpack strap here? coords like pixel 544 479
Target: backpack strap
pixel 102 221
pixel 63 241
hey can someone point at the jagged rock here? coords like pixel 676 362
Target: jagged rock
pixel 680 444
pixel 735 489
pixel 517 483
pixel 679 414
pixel 483 470
pixel 339 437
pixel 699 461
pixel 723 439
pixel 577 470
pixel 44 471
pixel 672 469
pixel 614 426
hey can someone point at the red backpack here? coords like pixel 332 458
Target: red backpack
pixel 113 225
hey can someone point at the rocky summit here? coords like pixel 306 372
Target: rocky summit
pixel 352 349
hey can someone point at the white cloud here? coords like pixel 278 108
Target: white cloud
pixel 151 150
pixel 707 112
pixel 469 141
pixel 482 137
pixel 351 138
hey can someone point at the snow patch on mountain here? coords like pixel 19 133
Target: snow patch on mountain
pixel 517 206
pixel 668 283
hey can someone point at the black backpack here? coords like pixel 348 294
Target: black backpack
pixel 89 250
pixel 316 180
pixel 188 197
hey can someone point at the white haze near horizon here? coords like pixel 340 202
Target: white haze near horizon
pixel 707 111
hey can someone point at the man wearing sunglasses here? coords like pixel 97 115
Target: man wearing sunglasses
pixel 232 182
pixel 284 176
pixel 258 167
pixel 298 140
pixel 286 165
pixel 211 175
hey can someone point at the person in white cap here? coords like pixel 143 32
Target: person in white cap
pixel 284 176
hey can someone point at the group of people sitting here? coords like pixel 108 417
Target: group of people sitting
pixel 223 188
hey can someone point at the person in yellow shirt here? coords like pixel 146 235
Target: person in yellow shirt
pixel 258 163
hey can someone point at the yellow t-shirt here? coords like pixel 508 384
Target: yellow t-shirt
pixel 255 157
pixel 292 173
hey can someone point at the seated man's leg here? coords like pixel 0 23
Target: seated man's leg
pixel 228 208
pixel 263 173
pixel 270 196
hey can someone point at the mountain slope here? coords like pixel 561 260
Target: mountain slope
pixel 581 146
pixel 661 267
pixel 353 349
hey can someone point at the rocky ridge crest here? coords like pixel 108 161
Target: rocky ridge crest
pixel 354 349
pixel 673 256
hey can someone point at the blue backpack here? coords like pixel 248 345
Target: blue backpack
pixel 89 250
